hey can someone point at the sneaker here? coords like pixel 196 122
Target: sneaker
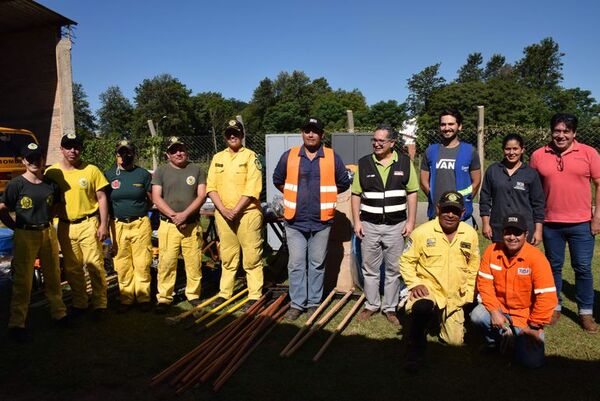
pixel 392 318
pixel 216 302
pixel 293 314
pixel 555 317
pixel 311 311
pixel 195 302
pixel 364 315
pixel 123 308
pixel 161 308
pixel 98 314
pixel 248 305
pixel 145 307
pixel 588 324
pixel 19 335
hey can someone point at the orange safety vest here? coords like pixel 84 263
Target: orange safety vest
pixel 327 185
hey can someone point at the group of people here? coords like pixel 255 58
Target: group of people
pixel 438 262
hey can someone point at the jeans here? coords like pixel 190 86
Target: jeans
pixel 306 266
pixel 581 246
pixel 524 353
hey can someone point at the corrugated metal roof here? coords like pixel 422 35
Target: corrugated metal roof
pixel 17 15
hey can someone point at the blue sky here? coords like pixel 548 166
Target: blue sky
pixel 375 46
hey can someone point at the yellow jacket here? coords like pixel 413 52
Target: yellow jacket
pixel 448 270
pixel 233 175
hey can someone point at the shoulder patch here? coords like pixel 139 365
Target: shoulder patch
pixel 258 164
pixel 115 184
pixel 466 245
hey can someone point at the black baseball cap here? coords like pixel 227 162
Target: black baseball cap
pixel 234 126
pixel 313 124
pixel 514 220
pixel 452 199
pixel 124 143
pixel 175 140
pixel 71 139
pixel 31 150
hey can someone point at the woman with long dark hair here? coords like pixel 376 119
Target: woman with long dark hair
pixel 511 186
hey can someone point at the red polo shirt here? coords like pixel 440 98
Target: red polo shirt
pixel 567 183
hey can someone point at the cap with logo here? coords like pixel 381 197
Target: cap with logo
pixel 452 199
pixel 514 220
pixel 71 139
pixel 313 124
pixel 234 126
pixel 124 143
pixel 30 150
pixel 174 140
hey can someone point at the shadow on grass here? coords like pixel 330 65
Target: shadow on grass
pixel 115 359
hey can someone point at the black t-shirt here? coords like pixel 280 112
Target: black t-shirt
pixel 32 203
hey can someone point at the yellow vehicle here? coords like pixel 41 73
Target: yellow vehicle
pixel 12 141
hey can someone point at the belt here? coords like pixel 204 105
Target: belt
pixel 188 221
pixel 129 219
pixel 79 220
pixel 34 227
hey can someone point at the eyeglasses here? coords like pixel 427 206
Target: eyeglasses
pixel 560 163
pixel 380 141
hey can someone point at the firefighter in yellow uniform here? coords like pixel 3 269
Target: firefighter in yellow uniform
pixel 32 197
pixel 234 184
pixel 83 224
pixel 439 265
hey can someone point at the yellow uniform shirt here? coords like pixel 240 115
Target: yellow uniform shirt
pixel 448 270
pixel 235 174
pixel 79 187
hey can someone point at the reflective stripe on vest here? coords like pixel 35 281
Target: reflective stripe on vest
pixel 327 186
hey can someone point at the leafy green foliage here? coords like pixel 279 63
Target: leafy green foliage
pixel 115 115
pixel 471 71
pixel 421 86
pixel 85 122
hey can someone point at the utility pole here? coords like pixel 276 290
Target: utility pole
pixel 153 134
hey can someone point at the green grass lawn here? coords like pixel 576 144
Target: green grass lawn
pixel 115 359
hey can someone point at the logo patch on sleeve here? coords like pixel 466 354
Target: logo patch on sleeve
pixel 523 271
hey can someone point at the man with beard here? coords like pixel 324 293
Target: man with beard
pixel 439 266
pixel 451 165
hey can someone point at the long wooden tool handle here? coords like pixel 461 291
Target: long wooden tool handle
pixel 320 323
pixel 339 328
pixel 226 313
pixel 308 323
pixel 222 306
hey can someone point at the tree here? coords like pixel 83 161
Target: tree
pixel 85 122
pixel 421 86
pixel 388 112
pixel 211 112
pixel 471 71
pixel 115 114
pixel 496 67
pixel 541 66
pixel 161 96
pixel 331 108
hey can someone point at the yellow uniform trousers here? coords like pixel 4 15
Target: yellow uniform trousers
pixel 80 248
pixel 452 322
pixel 28 244
pixel 245 233
pixel 170 241
pixel 133 259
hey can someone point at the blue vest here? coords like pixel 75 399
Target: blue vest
pixel 462 176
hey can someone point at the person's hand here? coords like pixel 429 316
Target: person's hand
pixel 486 231
pixel 595 225
pixel 179 218
pixel 358 229
pixel 537 238
pixel 408 228
pixel 228 214
pixel 420 291
pixel 102 232
pixel 499 321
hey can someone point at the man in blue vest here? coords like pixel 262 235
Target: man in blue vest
pixel 384 209
pixel 451 165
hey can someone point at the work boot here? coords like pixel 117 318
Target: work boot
pixel 217 302
pixel 365 314
pixel 195 302
pixel 588 324
pixel 145 307
pixel 392 318
pixel 161 308
pixel 19 335
pixel 248 305
pixel 555 317
pixel 293 314
pixel 311 311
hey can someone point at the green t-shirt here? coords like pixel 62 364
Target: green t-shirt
pixel 32 203
pixel 179 185
pixel 127 191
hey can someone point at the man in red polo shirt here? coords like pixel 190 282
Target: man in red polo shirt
pixel 566 168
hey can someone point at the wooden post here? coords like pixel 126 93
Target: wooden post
pixel 480 149
pixel 350 117
pixel 241 121
pixel 153 134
